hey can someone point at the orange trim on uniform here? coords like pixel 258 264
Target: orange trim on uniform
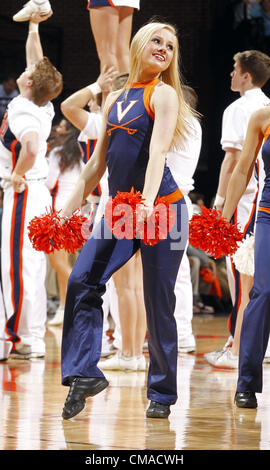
pixel 147 95
pixel 12 232
pixel 267 133
pixel 264 209
pixel 129 130
pixel 142 84
pixel 11 248
pixel 21 259
pixel 252 212
pixel 173 197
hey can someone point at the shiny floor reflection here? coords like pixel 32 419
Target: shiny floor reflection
pixel 205 417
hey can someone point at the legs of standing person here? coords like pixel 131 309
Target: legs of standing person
pixel 132 317
pixel 160 268
pixel 184 307
pixel 195 265
pixel 239 286
pixel 184 299
pixel 60 263
pixel 256 321
pixel 123 38
pixel 111 27
pixel 24 269
pixel 245 218
pixel 246 283
pixel 128 281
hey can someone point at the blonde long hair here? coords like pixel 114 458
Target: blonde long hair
pixel 171 76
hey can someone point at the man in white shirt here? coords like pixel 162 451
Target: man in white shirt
pixel 23 135
pixel 251 72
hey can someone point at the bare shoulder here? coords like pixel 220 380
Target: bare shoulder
pixel 163 89
pixel 261 118
pixel 164 95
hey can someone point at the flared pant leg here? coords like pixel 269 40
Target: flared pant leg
pixel 256 321
pixel 100 257
pixel 160 269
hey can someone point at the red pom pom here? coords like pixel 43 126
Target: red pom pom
pixel 120 214
pixel 159 223
pixel 121 217
pixel 47 233
pixel 213 234
pixel 73 234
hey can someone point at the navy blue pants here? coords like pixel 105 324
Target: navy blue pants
pixel 82 329
pixel 256 321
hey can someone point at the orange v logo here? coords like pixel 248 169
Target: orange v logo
pixel 120 113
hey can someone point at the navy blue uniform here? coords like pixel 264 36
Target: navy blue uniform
pixel 129 127
pixel 256 322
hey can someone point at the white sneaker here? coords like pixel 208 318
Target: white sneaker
pixel 119 362
pixel 212 356
pixel 37 355
pixel 58 317
pixel 187 345
pixel 5 348
pixel 225 360
pixel 22 351
pixel 107 349
pixel 30 8
pixel 141 362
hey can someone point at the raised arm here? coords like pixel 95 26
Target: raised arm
pixel 34 51
pixel 165 105
pixel 92 172
pixel 73 107
pixel 243 170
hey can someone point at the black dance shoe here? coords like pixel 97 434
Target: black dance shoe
pixel 157 410
pixel 245 400
pixel 80 389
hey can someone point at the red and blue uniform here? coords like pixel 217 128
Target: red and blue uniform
pixel 129 128
pixel 113 3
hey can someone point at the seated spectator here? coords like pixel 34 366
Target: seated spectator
pixel 262 10
pixel 248 31
pixel 8 91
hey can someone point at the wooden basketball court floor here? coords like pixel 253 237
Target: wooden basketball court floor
pixel 204 417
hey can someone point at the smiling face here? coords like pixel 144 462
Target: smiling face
pixel 158 52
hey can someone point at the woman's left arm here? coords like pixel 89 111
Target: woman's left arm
pixel 165 105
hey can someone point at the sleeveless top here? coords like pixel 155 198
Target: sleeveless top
pixel 129 127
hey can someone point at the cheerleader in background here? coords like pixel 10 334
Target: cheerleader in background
pixel 111 25
pixel 65 166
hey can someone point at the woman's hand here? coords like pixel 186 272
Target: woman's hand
pixel 144 211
